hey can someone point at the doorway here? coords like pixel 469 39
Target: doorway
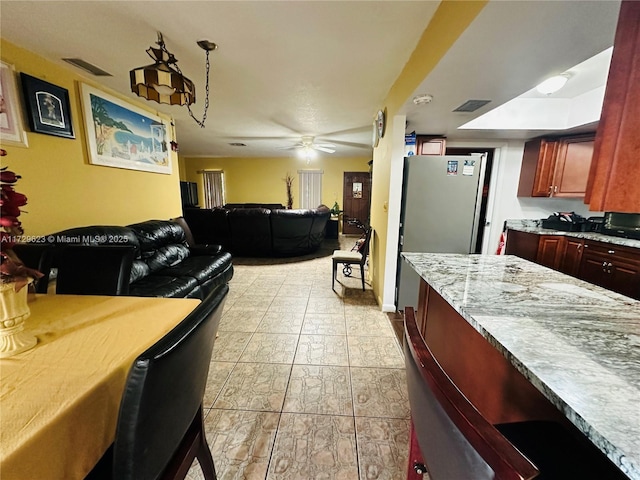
pixel 482 223
pixel 356 201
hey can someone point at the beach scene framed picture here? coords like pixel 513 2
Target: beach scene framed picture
pixel 124 136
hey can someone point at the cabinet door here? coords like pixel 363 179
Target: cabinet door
pixel 624 277
pixel 538 163
pixel 593 268
pixel 427 145
pixel 522 244
pixel 614 176
pixel 613 267
pixel 550 249
pixel 572 166
pixel 570 261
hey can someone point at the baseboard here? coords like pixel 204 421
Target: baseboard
pixel 387 308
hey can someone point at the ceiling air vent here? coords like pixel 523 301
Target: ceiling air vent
pixel 87 67
pixel 471 105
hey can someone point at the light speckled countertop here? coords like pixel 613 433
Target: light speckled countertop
pixel 533 226
pixel 577 343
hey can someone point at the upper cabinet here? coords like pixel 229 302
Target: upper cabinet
pixel 556 167
pixel 430 145
pixel 614 178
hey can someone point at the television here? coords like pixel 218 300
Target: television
pixel 189 194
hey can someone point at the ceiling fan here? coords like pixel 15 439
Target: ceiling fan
pixel 307 145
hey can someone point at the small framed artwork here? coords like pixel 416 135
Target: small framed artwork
pixel 11 126
pixel 124 136
pixel 48 108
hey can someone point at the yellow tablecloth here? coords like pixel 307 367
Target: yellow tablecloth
pixel 59 401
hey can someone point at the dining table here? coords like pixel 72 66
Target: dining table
pixel 59 401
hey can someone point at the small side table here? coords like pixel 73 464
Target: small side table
pixel 332 228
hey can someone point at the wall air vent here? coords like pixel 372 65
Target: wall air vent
pixel 87 67
pixel 471 105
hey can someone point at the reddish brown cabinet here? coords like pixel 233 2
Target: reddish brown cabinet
pixel 573 162
pixel 614 176
pixel 522 244
pixel 571 256
pixel 611 266
pixel 536 173
pixel 550 249
pixel 430 145
pixel 556 167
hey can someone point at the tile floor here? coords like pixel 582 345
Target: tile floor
pixel 305 383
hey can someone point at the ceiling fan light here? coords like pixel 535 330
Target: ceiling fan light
pixel 552 84
pixel 307 153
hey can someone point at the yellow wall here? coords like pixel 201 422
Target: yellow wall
pixel 449 21
pixel 63 189
pixel 260 180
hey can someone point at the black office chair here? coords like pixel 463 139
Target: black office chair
pixel 94 269
pixel 160 427
pixel 38 256
pixel 351 257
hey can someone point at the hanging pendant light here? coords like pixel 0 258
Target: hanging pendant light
pixel 163 81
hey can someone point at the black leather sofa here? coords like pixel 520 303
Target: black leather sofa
pixel 260 232
pixel 164 264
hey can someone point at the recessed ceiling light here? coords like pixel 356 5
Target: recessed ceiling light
pixel 552 84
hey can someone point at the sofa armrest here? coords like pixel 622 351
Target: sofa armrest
pixel 205 249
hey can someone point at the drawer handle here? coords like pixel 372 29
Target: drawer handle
pixel 419 468
pixel 611 252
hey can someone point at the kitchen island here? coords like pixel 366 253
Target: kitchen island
pixel 576 346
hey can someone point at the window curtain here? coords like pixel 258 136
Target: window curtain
pixel 310 188
pixel 213 188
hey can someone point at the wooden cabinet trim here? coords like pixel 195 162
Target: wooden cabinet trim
pixel 614 177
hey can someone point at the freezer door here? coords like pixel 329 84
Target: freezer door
pixel 439 214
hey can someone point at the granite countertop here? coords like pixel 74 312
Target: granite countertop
pixel 577 343
pixel 533 226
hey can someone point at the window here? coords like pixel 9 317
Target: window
pixel 213 188
pixel 310 188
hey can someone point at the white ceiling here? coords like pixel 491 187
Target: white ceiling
pixel 285 69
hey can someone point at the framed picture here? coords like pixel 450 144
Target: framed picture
pixel 123 136
pixel 11 126
pixel 47 107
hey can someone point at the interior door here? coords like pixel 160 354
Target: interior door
pixel 356 200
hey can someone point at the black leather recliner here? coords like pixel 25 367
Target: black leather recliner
pixel 260 232
pixel 164 265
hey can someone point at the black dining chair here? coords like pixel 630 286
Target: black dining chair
pixel 94 269
pixel 38 256
pixel 160 429
pixel 351 257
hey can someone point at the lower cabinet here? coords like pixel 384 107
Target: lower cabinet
pixel 550 249
pixel 610 266
pixel 571 256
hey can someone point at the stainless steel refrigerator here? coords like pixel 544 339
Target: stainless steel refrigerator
pixel 441 198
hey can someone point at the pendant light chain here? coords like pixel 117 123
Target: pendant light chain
pixel 206 97
pixel 206 89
